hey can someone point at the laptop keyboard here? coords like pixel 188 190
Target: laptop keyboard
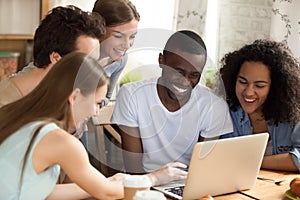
pixel 176 190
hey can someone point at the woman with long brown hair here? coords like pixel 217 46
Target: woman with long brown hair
pixel 36 141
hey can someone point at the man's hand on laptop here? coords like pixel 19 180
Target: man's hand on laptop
pixel 167 173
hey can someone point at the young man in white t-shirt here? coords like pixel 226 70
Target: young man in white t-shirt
pixel 161 119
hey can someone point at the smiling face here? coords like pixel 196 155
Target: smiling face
pixel 252 86
pixel 181 73
pixel 85 107
pixel 118 39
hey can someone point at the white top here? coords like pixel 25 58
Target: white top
pixel 170 136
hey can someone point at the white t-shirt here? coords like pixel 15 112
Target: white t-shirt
pixel 170 136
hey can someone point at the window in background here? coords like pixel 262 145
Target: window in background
pixel 211 40
pixel 211 29
pixel 20 17
pixel 156 15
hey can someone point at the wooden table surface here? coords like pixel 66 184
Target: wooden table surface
pixel 268 190
pixel 265 190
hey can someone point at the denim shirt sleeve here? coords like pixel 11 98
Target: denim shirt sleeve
pixel 295 152
pixel 114 71
pixel 241 124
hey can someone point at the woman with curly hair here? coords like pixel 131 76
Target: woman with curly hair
pixel 261 82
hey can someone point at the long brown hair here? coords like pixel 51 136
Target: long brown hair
pixel 116 12
pixel 49 100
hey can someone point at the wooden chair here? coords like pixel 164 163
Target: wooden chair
pixel 105 142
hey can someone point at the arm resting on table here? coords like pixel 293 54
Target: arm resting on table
pixel 283 162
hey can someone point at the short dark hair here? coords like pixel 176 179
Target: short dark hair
pixel 60 29
pixel 186 41
pixel 282 103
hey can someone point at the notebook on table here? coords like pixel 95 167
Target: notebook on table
pixel 219 167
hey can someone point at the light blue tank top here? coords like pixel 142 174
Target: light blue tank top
pixel 12 151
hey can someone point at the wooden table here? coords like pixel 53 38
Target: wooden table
pixel 263 189
pixel 268 190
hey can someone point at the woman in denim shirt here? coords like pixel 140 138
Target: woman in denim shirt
pixel 261 82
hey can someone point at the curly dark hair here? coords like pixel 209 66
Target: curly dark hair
pixel 60 29
pixel 282 103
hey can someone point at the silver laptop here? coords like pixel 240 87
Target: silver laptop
pixel 220 166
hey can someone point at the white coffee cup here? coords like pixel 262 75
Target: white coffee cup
pixel 149 195
pixel 134 183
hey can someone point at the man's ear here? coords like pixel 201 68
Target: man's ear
pixel 161 59
pixel 54 57
pixel 73 96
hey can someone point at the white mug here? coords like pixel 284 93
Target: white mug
pixel 149 195
pixel 134 183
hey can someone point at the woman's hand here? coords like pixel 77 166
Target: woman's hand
pixel 117 177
